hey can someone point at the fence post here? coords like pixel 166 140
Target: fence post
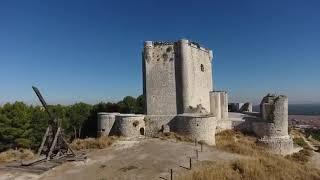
pixel 197 154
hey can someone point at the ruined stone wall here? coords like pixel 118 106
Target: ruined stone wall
pixel 215 104
pixel 177 78
pixel 156 123
pixel 195 72
pixel 130 125
pixel 274 111
pixel 198 127
pixel 273 128
pixel 105 123
pixel 281 146
pixel 224 105
pixel 176 75
pixel 159 78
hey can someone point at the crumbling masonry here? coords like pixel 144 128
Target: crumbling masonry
pixel 273 127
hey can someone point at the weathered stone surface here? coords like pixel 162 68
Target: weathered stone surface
pixel 130 125
pixel 176 75
pixel 224 104
pixel 198 127
pixel 246 107
pixel 198 110
pixel 241 107
pixel 273 128
pixel 215 104
pixel 154 123
pixel 274 109
pixel 105 123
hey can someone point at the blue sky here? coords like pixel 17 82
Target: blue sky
pixel 90 51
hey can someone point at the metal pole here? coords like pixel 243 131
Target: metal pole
pixel 171 174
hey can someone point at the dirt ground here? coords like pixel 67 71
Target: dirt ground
pixel 132 159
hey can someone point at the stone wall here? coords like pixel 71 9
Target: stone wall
pixel 156 123
pixel 283 146
pixel 197 127
pixel 105 123
pixel 215 104
pixel 177 76
pixel 273 127
pixel 274 109
pixel 224 104
pixel 194 67
pixel 241 107
pixel 130 125
pixel 159 78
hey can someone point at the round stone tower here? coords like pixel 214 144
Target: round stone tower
pixel 105 123
pixel 273 127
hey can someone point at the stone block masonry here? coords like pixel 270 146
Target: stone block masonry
pixel 105 123
pixel 130 125
pixel 197 126
pixel 176 76
pixel 177 79
pixel 273 127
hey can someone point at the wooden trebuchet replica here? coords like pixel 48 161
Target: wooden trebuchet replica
pixel 53 145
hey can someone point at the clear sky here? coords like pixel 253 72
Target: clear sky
pixel 90 51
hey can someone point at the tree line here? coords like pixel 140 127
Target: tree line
pixel 23 126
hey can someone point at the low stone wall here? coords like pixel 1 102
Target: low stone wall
pixel 156 123
pixel 105 123
pixel 130 125
pixel 199 127
pixel 224 124
pixel 262 129
pixel 279 145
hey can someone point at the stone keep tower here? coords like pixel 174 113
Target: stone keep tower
pixel 177 77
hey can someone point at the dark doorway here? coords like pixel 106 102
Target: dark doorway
pixel 142 131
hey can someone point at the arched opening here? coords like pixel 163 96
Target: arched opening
pixel 142 131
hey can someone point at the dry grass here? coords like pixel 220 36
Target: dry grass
pixel 92 143
pixel 236 142
pixel 301 157
pixel 15 155
pixel 263 168
pixel 260 165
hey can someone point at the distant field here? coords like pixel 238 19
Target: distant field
pixel 300 109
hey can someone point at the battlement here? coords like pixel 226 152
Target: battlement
pixel 165 43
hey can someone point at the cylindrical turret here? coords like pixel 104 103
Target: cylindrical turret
pixel 130 125
pixel 105 123
pixel 215 104
pixel 224 104
pixel 185 73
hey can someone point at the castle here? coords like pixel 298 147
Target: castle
pixel 180 97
